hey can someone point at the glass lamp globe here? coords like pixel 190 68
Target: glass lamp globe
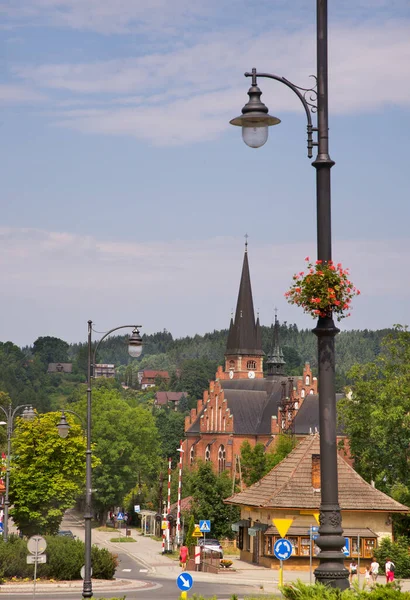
pixel 255 137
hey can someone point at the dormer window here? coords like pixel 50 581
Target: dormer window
pixel 251 364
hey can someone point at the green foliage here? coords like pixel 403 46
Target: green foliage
pixel 195 375
pixel 47 473
pixel 378 412
pixel 51 349
pixel 170 426
pixel 126 442
pixel 65 557
pixel 398 552
pixel 190 540
pixel 302 591
pixel 256 463
pixel 208 491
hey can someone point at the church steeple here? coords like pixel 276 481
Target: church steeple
pixel 244 346
pixel 244 334
pixel 276 362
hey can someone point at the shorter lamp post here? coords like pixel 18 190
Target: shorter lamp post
pixel 134 350
pixel 28 415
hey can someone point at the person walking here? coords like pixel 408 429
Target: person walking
pixel 374 569
pixel 183 556
pixel 352 570
pixel 367 577
pixel 389 569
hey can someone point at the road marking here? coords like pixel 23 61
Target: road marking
pixel 143 570
pixel 126 570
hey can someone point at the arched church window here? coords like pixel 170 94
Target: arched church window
pixel 307 380
pixel 302 393
pixel 192 455
pixel 221 458
pixel 251 364
pixel 296 405
pixel 311 392
pixel 208 453
pixel 231 364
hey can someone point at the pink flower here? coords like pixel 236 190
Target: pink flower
pixel 307 258
pixel 319 262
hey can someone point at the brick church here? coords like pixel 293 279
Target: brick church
pixel 244 404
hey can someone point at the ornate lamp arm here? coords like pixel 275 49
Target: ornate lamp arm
pixel 108 333
pixel 309 105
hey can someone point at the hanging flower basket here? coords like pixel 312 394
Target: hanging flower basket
pixel 323 289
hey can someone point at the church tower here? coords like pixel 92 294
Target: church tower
pixel 275 362
pixel 244 354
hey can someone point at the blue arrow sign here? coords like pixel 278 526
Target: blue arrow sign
pixel 314 528
pixel 205 526
pixel 346 547
pixel 282 549
pixel 184 582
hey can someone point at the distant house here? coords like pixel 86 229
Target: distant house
pixel 104 370
pixel 60 368
pixel 165 398
pixel 291 490
pixel 147 379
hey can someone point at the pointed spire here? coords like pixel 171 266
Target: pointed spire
pixel 276 362
pixel 243 335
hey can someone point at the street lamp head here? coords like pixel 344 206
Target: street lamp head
pixel 135 344
pixel 29 414
pixel 63 427
pixel 255 119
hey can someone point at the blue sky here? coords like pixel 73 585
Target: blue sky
pixel 126 193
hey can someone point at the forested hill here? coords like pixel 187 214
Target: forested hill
pixel 162 351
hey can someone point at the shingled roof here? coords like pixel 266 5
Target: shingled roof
pixel 289 486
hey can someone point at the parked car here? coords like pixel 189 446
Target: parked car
pixel 66 533
pixel 211 546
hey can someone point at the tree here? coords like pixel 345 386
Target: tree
pixel 196 375
pixel 376 414
pixel 127 444
pixel 170 426
pixel 256 463
pixel 208 491
pixel 190 540
pixel 47 473
pixel 51 349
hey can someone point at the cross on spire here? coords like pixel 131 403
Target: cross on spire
pixel 246 242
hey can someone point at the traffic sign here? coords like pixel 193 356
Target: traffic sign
pixel 164 525
pixel 137 508
pixel 197 532
pixel 282 525
pixel 36 544
pixel 346 547
pixel 315 536
pixel 205 526
pixel 184 581
pixel 282 549
pixel 36 558
pixel 314 528
pixel 1 527
pixel 120 516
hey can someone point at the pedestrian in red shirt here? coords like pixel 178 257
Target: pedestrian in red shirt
pixel 183 556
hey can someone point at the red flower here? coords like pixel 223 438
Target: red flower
pixel 319 262
pixel 307 258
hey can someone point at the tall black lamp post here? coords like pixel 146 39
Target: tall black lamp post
pixel 28 415
pixel 134 350
pixel 255 121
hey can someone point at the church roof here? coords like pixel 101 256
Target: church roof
pixel 289 485
pixel 307 417
pixel 244 333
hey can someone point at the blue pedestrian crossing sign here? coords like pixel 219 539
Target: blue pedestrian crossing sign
pixel 120 516
pixel 282 549
pixel 1 527
pixel 205 526
pixel 184 582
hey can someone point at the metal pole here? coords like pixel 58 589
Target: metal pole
pixel 331 569
pixel 358 559
pixel 87 584
pixel 310 555
pixel 6 499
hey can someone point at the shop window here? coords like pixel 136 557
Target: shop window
pixel 305 546
pixel 295 543
pixel 355 546
pixel 240 538
pixel 369 547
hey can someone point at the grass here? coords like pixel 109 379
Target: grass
pixel 122 539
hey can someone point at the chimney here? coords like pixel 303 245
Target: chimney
pixel 316 472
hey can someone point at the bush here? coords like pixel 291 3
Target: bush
pixel 65 557
pixel 398 552
pixel 301 591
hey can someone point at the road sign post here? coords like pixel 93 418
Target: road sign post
pixel 282 549
pixel 36 545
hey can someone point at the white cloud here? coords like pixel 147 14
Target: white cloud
pixel 54 282
pixel 188 94
pixel 16 94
